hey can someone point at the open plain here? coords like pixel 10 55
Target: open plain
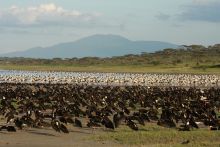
pixel 114 109
pixel 93 73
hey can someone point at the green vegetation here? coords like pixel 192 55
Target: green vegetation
pixel 105 68
pixel 153 135
pixel 189 59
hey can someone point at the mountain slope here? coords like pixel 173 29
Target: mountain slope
pixel 96 45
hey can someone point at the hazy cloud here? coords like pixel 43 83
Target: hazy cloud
pixel 45 14
pixel 14 31
pixel 203 1
pixel 202 10
pixel 162 16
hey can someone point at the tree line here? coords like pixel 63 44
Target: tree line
pixel 188 55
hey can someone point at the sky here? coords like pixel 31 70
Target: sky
pixel 32 23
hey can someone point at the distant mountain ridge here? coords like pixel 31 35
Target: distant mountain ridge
pixel 93 46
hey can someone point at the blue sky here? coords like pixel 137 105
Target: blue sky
pixel 29 23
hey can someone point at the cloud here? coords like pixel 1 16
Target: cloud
pixel 201 10
pixel 203 1
pixel 14 31
pixel 45 14
pixel 163 16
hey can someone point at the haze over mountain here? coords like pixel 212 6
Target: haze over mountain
pixel 95 46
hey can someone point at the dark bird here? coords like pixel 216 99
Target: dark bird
pixel 9 116
pixel 166 123
pixel 63 119
pixel 184 128
pixel 132 125
pixel 136 116
pixel 93 124
pixel 108 123
pixel 55 125
pixel 143 111
pixel 78 123
pixel 8 128
pixel 18 123
pixel 11 129
pixel 3 128
pixel 117 118
pixel 212 128
pixel 144 117
pixel 185 142
pixel 126 110
pixel 193 123
pixel 70 120
pixel 63 128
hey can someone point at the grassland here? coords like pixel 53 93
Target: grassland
pixel 115 68
pixel 153 135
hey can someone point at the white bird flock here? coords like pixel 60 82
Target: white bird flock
pixel 142 79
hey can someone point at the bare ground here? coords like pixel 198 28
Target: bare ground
pixel 47 137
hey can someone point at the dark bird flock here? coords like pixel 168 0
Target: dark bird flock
pixel 57 105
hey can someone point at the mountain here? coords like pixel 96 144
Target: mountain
pixel 95 46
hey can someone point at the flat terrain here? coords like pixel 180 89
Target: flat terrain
pixel 115 68
pixel 150 135
pixel 48 138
